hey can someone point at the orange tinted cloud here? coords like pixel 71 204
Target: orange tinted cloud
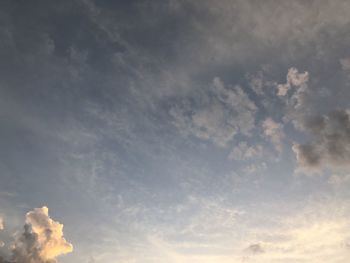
pixel 41 242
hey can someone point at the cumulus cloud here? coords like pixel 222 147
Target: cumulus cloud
pixel 41 242
pixel 274 132
pixel 220 115
pixel 294 79
pixel 295 93
pixel 331 146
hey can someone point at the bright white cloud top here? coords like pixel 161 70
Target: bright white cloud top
pixel 41 242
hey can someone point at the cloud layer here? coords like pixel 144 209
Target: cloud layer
pixel 133 107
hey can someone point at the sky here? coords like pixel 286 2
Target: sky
pixel 174 131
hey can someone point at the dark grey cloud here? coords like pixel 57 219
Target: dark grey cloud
pixel 331 141
pixel 255 249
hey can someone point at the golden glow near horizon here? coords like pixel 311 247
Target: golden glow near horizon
pixel 312 235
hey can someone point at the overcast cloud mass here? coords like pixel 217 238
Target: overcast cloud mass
pixel 174 131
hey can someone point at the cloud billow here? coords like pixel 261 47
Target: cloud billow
pixel 41 242
pixel 294 79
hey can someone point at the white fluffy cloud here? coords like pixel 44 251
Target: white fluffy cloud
pixel 219 116
pixel 42 240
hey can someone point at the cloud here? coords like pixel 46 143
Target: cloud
pixel 254 168
pixel 220 115
pixel 345 64
pixel 274 132
pixel 260 83
pixel 254 249
pixel 42 240
pixel 294 79
pixel 294 94
pixel 257 82
pixel 240 31
pixel 243 151
pixel 1 228
pixel 338 180
pixel 331 145
pixel 312 230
